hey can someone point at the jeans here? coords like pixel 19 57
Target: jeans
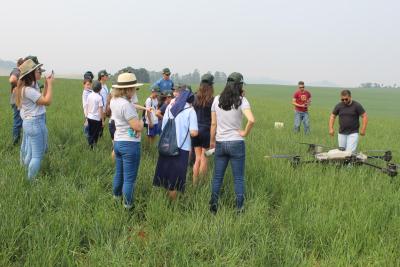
pixel 235 152
pixel 348 141
pixel 301 117
pixel 127 159
pixel 17 124
pixel 34 144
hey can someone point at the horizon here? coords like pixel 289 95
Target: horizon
pixel 267 41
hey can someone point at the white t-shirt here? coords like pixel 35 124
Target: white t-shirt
pixel 85 94
pixel 29 108
pixel 94 105
pixel 152 103
pixel 104 94
pixel 186 120
pixel 123 111
pixel 229 122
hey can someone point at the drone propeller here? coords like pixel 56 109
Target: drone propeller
pixel 281 156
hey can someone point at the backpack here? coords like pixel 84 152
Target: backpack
pixel 168 145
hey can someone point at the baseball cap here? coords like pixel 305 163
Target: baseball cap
pixel 155 89
pixel 167 93
pixel 166 71
pixel 102 73
pixel 207 78
pixel 35 60
pixel 235 77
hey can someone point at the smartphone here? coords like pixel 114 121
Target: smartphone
pixel 51 74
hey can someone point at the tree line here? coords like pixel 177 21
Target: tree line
pixel 378 85
pixel 145 76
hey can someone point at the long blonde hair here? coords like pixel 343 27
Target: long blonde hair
pixel 28 80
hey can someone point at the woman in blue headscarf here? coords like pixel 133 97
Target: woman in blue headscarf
pixel 171 170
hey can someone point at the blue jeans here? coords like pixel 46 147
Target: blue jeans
pixel 348 141
pixel 301 117
pixel 235 152
pixel 17 124
pixel 34 144
pixel 127 159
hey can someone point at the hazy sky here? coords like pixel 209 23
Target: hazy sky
pixel 343 41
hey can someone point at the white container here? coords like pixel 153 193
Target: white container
pixel 210 152
pixel 278 125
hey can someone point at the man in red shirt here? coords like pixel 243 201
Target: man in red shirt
pixel 301 101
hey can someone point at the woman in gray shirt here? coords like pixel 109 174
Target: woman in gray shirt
pixel 227 137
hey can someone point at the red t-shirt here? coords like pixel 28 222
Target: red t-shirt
pixel 302 98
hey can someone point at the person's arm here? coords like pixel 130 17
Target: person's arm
pixel 45 99
pixel 364 123
pixel 294 103
pixel 159 114
pixel 213 129
pixel 108 109
pixel 193 126
pixel 13 81
pixel 331 123
pixel 250 122
pixel 136 125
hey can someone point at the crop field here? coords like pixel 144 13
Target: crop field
pixel 309 216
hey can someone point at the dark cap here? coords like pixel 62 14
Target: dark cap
pixel 168 93
pixel 102 73
pixel 88 75
pixel 235 77
pixel 207 78
pixel 166 71
pixel 96 86
pixel 155 89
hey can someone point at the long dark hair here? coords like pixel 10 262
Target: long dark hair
pixel 231 97
pixel 27 80
pixel 204 95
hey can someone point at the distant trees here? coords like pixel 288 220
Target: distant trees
pixel 146 76
pixel 142 75
pixel 377 85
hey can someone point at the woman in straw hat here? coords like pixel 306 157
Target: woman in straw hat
pixel 126 138
pixel 33 113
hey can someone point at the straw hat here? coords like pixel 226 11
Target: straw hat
pixel 27 67
pixel 126 80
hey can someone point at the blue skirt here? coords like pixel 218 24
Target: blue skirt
pixel 171 171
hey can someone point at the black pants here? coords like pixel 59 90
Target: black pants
pixel 95 128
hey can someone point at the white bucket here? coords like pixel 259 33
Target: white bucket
pixel 278 125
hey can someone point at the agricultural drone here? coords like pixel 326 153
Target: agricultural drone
pixel 323 154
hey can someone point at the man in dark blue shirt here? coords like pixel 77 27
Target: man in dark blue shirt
pixel 165 83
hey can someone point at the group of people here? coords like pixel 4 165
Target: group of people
pixel 187 122
pixel 348 110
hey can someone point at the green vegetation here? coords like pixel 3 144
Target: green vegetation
pixel 311 216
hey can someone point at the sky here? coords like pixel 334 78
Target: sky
pixel 345 42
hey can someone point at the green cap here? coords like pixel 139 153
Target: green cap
pixel 166 71
pixel 155 89
pixel 235 77
pixel 168 93
pixel 102 73
pixel 34 59
pixel 207 78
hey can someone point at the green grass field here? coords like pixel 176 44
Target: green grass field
pixel 310 216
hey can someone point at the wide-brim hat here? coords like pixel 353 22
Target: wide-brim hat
pixel 126 80
pixel 27 67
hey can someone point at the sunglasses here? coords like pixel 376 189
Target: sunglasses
pixel 345 99
pixel 301 87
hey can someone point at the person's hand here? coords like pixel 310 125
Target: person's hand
pixel 362 133
pixel 212 145
pixel 242 133
pixel 102 123
pixel 149 110
pixel 151 125
pixel 85 123
pixel 49 80
pixel 331 132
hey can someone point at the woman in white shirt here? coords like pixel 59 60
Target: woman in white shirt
pixel 126 138
pixel 33 113
pixel 227 138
